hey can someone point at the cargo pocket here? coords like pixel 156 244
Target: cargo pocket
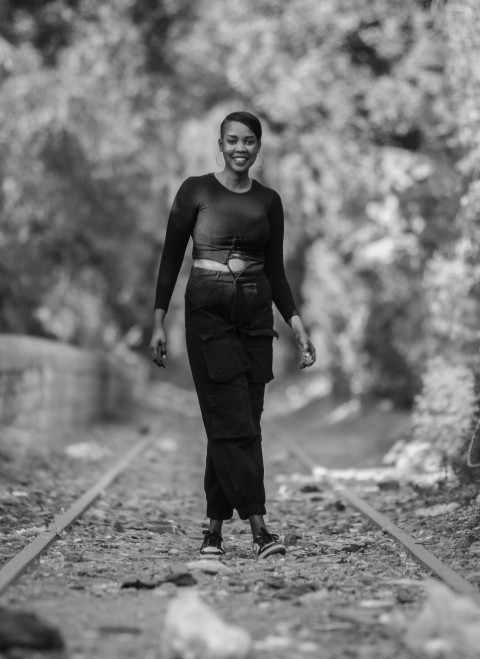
pixel 224 358
pixel 228 416
pixel 260 358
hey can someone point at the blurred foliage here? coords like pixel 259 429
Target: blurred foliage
pixel 444 409
pixel 371 136
pixel 441 425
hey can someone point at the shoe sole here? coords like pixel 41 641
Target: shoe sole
pixel 269 551
pixel 211 552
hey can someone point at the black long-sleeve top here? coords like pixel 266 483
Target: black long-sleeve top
pixel 222 223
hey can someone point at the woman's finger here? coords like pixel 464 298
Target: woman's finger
pixel 154 354
pixel 163 352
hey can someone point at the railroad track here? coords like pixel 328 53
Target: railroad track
pixel 15 567
pixel 421 555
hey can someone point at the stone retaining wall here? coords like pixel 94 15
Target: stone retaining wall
pixel 48 388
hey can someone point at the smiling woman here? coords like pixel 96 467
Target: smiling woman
pixel 237 228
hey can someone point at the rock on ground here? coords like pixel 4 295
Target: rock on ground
pixel 193 630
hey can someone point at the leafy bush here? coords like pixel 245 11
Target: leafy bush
pixel 444 409
pixel 441 420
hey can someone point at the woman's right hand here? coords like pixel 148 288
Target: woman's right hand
pixel 158 343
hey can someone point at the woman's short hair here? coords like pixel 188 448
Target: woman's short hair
pixel 247 119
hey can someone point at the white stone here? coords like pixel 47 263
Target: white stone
pixel 193 630
pixel 448 624
pixel 209 565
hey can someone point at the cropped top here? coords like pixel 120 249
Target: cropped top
pixel 223 223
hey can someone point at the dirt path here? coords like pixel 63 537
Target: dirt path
pixel 328 592
pixel 344 590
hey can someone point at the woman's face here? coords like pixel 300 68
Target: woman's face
pixel 239 146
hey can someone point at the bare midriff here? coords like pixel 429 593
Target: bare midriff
pixel 235 264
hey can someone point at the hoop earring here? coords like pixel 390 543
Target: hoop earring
pixel 220 164
pixel 259 166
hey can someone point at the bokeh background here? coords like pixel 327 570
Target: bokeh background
pixel 371 114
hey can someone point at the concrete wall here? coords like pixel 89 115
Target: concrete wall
pixel 48 388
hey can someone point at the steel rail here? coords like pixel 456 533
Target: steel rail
pixel 15 567
pixel 415 550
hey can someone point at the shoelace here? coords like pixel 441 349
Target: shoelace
pixel 263 538
pixel 212 537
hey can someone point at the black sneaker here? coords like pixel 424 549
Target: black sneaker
pixel 266 544
pixel 212 545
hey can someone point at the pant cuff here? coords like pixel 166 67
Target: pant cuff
pixel 215 513
pixel 251 509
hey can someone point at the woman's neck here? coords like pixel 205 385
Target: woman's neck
pixel 240 182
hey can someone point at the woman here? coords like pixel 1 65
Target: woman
pixel 237 229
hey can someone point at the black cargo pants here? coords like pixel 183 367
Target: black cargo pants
pixel 229 332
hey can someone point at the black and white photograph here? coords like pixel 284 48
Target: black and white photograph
pixel 239 329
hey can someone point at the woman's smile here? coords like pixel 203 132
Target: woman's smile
pixel 240 159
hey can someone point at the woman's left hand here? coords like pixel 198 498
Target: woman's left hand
pixel 306 347
pixel 309 355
